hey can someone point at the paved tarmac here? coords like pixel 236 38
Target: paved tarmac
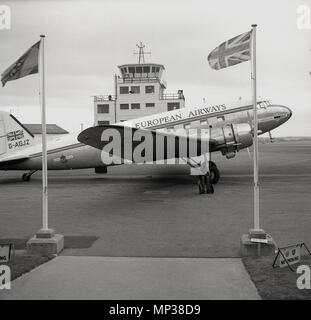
pixel 156 211
pixel 154 216
pixel 134 278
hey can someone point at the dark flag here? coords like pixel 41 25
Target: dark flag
pixel 27 64
pixel 231 52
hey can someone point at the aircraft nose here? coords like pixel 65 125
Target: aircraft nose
pixel 281 112
pixel 288 111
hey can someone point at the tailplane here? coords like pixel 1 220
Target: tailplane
pixel 14 137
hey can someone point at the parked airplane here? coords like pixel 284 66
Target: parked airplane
pixel 231 130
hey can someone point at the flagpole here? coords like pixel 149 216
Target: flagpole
pixel 44 152
pixel 254 87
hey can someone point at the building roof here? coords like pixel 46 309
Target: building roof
pixel 35 128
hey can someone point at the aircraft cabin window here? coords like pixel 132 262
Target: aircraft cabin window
pixel 103 108
pixel 221 118
pixel 203 122
pixel 135 106
pixel 187 125
pixel 149 89
pixel 124 106
pixel 150 105
pixel 103 122
pixel 124 90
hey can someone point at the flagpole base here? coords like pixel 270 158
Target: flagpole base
pixel 45 243
pixel 257 243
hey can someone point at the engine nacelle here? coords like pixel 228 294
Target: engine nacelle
pixel 232 137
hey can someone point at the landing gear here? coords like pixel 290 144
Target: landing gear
pixel 205 184
pixel 214 172
pixel 27 176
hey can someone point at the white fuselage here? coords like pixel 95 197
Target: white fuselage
pixel 68 153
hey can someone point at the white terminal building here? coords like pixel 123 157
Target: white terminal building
pixel 139 91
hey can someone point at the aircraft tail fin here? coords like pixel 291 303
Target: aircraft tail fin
pixel 14 136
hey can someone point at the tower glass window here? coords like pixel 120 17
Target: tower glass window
pixel 103 122
pixel 135 89
pixel 131 69
pixel 124 90
pixel 173 106
pixel 146 69
pixel 124 106
pixel 139 69
pixel 149 89
pixel 103 108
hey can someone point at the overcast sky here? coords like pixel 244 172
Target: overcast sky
pixel 86 40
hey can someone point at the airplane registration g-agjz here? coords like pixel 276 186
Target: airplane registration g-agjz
pixel 230 128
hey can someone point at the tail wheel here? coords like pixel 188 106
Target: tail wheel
pixel 26 177
pixel 214 172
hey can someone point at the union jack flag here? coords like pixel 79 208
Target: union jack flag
pixel 15 135
pixel 231 52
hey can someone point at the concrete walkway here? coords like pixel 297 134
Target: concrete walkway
pixel 76 277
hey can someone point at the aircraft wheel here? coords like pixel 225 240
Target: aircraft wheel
pixel 215 174
pixel 26 177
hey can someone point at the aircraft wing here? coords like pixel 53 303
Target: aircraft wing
pixel 127 142
pixel 14 158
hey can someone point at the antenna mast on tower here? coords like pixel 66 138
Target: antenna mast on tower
pixel 141 52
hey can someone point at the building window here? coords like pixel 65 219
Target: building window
pixel 146 69
pixel 149 89
pixel 150 105
pixel 135 89
pixel 135 106
pixel 173 106
pixel 131 69
pixel 139 69
pixel 124 106
pixel 103 108
pixel 122 120
pixel 124 90
pixel 103 122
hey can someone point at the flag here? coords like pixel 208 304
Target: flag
pixel 231 52
pixel 27 64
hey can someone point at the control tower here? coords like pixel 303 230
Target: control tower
pixel 139 91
